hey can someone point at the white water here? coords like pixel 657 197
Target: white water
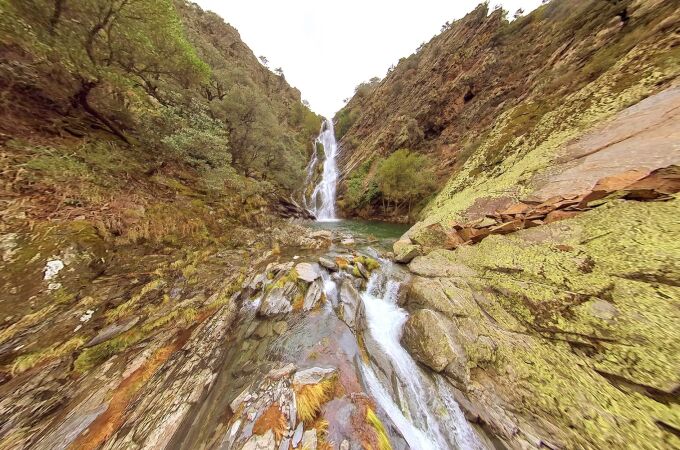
pixel 322 200
pixel 436 421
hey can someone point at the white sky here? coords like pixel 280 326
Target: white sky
pixel 326 48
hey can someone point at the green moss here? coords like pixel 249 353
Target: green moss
pixel 29 360
pixel 129 306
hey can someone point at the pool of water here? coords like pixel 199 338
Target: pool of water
pixel 384 233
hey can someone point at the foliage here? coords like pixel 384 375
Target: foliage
pixel 405 177
pixel 361 189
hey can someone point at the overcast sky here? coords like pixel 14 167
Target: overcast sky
pixel 326 48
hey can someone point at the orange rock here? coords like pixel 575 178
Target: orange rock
pixel 517 208
pixel 556 215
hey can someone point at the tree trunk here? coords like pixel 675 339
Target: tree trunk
pixel 81 98
pixel 56 14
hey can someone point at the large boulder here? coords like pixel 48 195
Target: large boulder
pixel 406 253
pixel 426 338
pixel 435 236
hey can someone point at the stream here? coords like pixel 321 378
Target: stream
pixel 360 342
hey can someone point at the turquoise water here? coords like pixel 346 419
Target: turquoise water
pixel 384 233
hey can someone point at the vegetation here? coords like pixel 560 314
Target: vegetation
pixel 150 91
pixel 310 398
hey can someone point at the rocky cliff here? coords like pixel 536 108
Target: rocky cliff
pixel 486 94
pixel 545 268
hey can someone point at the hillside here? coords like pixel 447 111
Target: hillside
pixel 544 260
pixel 486 91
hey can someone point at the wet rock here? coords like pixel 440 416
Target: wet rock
pixel 266 441
pixel 426 339
pixel 344 445
pixel 349 304
pixel 309 439
pixel 111 331
pixel 313 375
pixel 328 263
pixel 313 295
pixel 278 300
pixel 362 270
pixel 348 242
pixel 307 272
pixel 297 436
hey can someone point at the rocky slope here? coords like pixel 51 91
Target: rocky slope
pixel 486 94
pixel 545 270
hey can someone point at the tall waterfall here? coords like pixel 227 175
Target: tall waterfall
pixel 322 200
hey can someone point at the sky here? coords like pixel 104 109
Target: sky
pixel 326 48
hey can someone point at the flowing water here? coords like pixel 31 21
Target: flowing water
pixel 322 200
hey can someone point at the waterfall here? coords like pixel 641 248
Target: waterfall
pixel 322 200
pixel 431 418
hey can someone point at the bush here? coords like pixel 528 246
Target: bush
pixel 405 177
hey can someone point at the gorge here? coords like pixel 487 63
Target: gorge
pixel 492 263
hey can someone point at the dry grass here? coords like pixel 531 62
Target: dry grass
pixel 311 397
pixel 272 419
pixel 381 434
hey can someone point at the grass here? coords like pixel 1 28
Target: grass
pixel 311 397
pixel 29 360
pixel 374 421
pixel 272 419
pixel 124 309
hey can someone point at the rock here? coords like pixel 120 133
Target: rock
pixel 348 242
pixel 439 263
pixel 324 235
pixel 264 329
pixel 362 270
pixel 285 444
pixel 278 300
pixel 297 436
pixel 309 440
pixel 307 272
pixel 344 445
pixel 52 268
pixel 313 295
pixel 406 253
pixel 425 337
pixel 349 303
pixel 238 401
pixel 440 295
pixel 435 236
pixel 328 263
pixel 111 331
pixel 280 327
pixel 313 375
pixel 266 441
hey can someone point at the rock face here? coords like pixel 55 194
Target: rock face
pixel 539 329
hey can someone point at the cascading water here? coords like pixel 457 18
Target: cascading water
pixel 428 417
pixel 322 200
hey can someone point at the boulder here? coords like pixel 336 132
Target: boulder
pixel 323 235
pixel 436 236
pixel 328 263
pixel 313 375
pixel 307 272
pixel 425 337
pixel 406 253
pixel 278 300
pixel 297 436
pixel 313 295
pixel 111 331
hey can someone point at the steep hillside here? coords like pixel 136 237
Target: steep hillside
pixel 545 278
pixel 486 90
pixel 142 145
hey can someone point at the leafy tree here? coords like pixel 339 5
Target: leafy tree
pixel 106 49
pixel 405 177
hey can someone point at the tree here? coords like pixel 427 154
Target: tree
pixel 105 48
pixel 519 13
pixel 264 60
pixel 405 177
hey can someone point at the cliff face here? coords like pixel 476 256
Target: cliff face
pixel 545 285
pixel 486 91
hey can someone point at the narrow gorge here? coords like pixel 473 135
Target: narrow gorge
pixel 478 251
